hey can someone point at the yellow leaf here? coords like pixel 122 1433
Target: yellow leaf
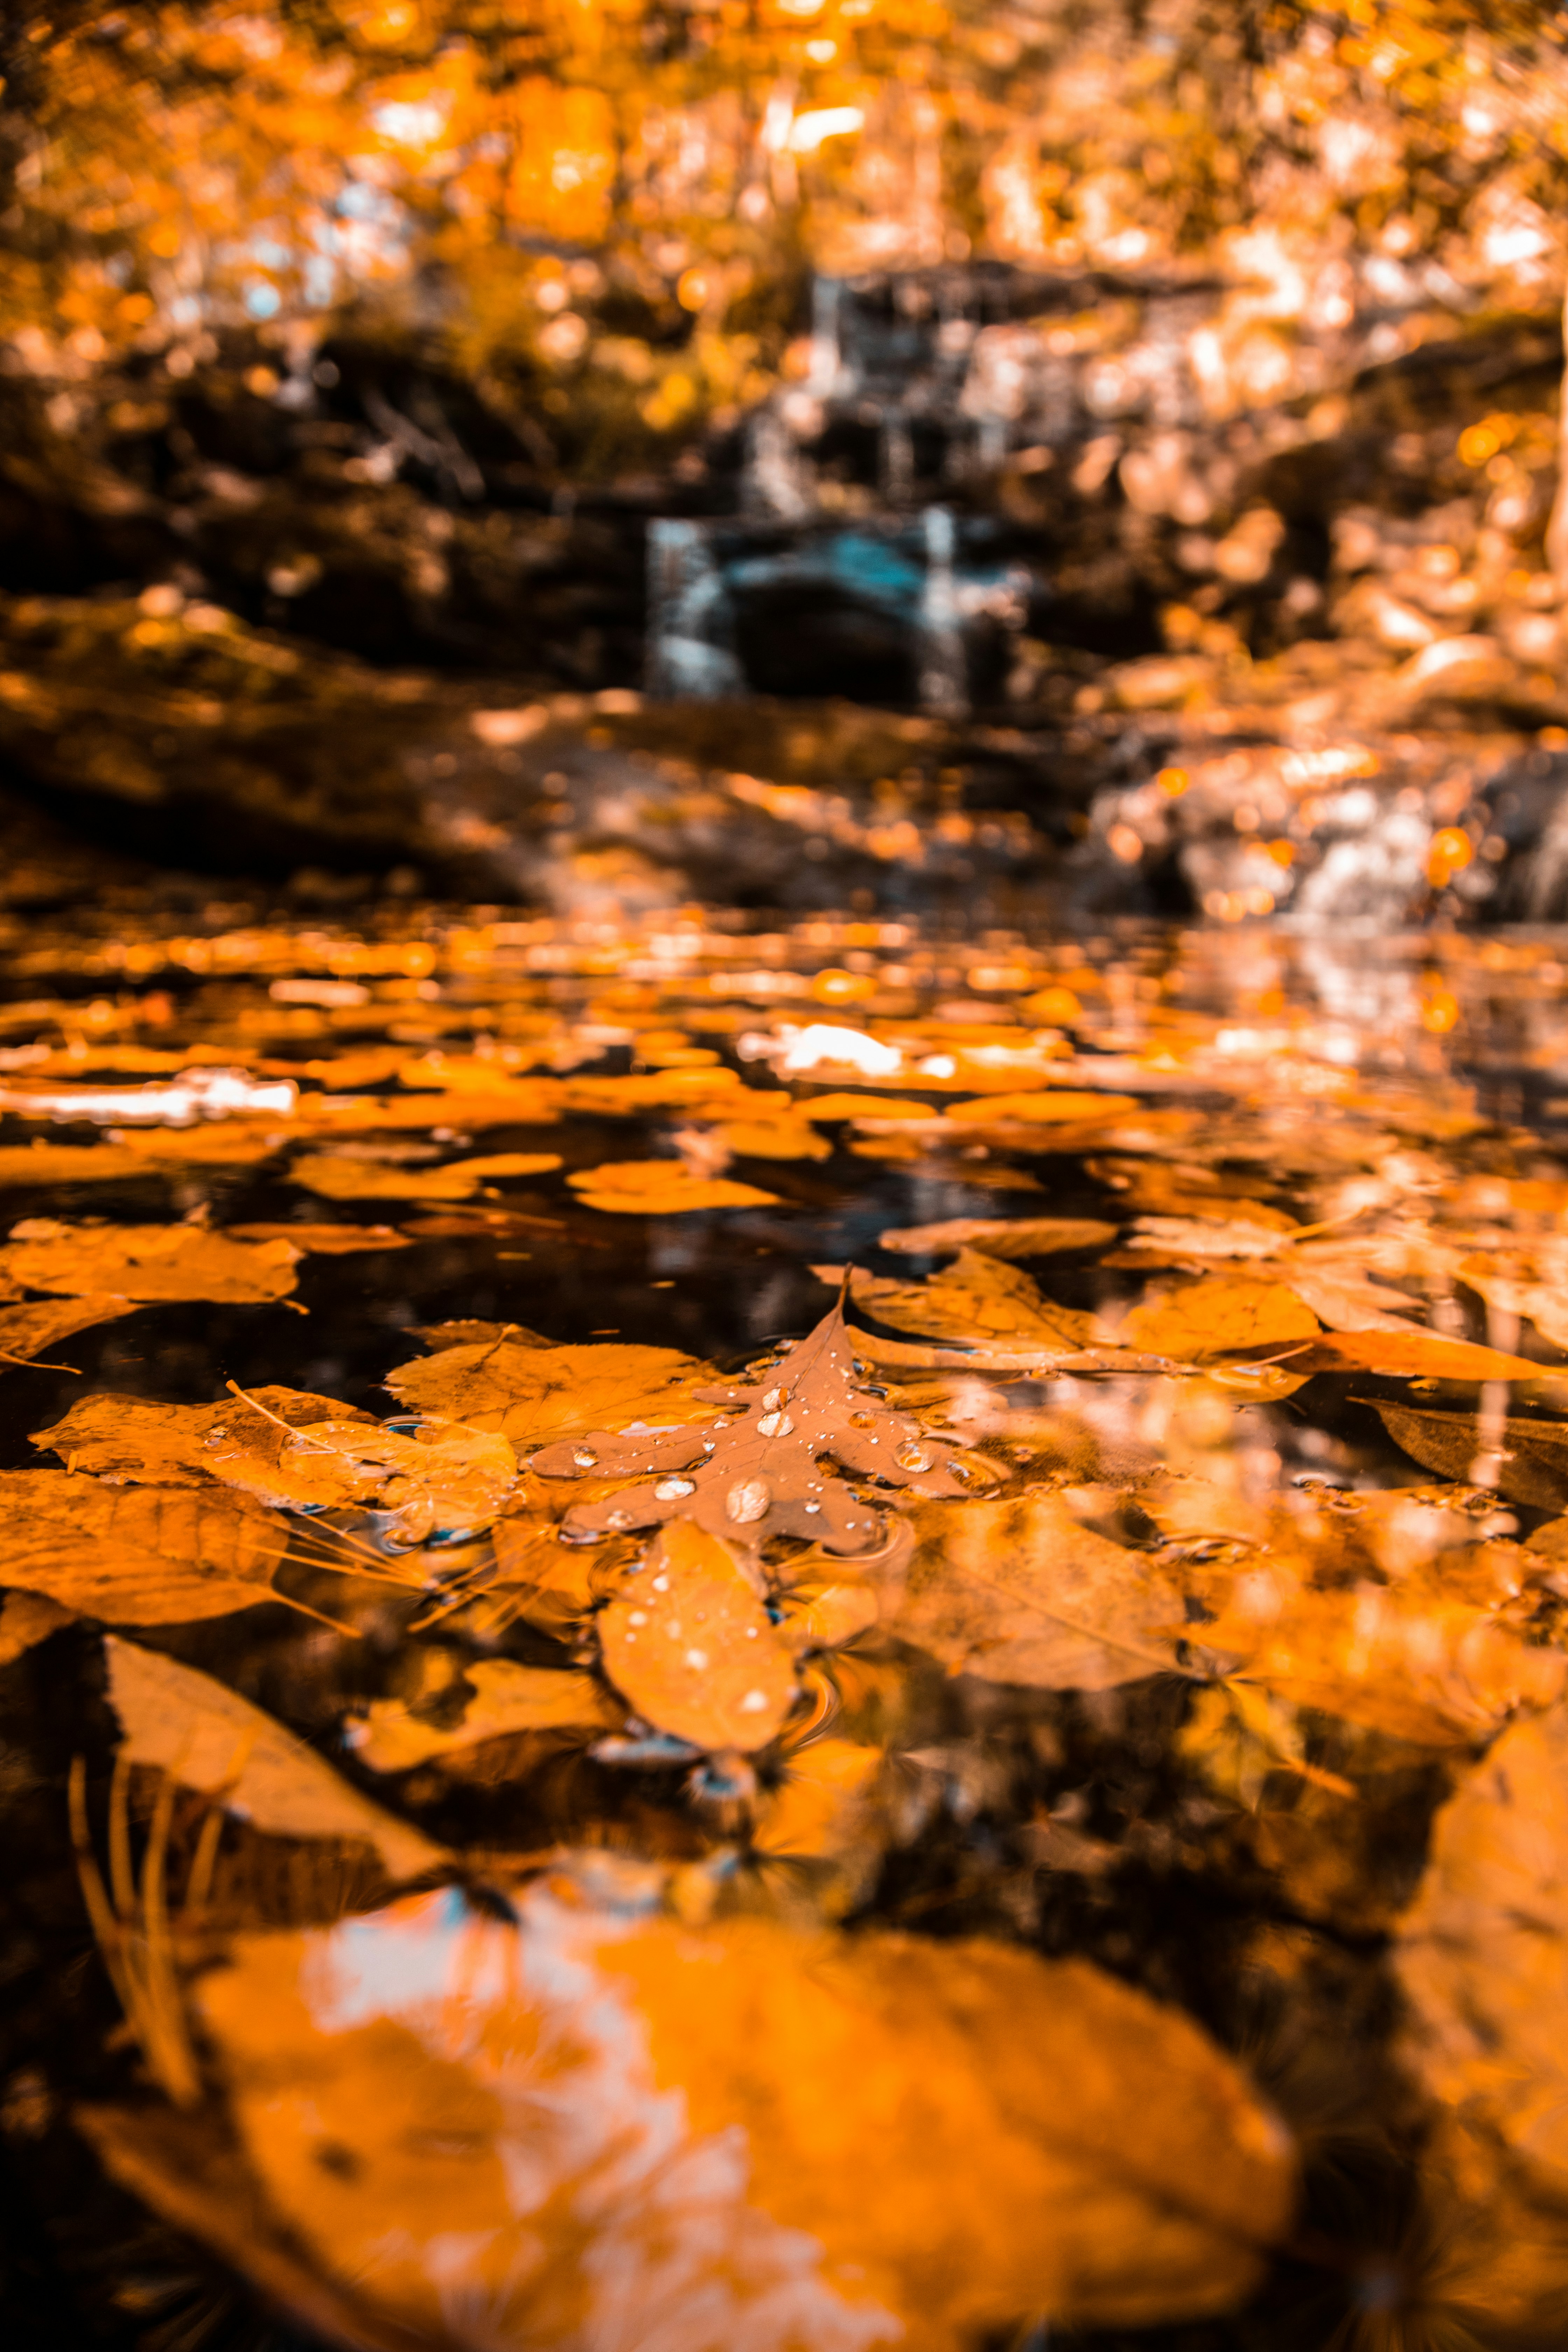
pixel 138 1556
pixel 535 1393
pixel 508 1699
pixel 1216 1316
pixel 338 1177
pixel 148 1262
pixel 661 1188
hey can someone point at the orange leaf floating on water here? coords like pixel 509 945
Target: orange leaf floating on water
pixel 238 1442
pixel 26 1331
pixel 661 1188
pixel 692 1648
pixel 390 1736
pixel 773 1138
pixel 1482 1953
pixel 26 1619
pixel 977 1298
pixel 207 1737
pixel 757 1474
pixel 1019 1592
pixel 142 1261
pixel 227 1143
pixel 828 1109
pixel 1005 1237
pixel 138 1556
pixel 1408 1355
pixel 1054 1107
pixel 532 1392
pixel 68 1164
pixel 1219 1315
pixel 1530 1465
pixel 324 1241
pixel 338 1177
pixel 792 2141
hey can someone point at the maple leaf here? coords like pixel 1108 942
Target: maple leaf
pixel 756 1476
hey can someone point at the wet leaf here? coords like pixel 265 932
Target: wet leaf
pixel 1482 1953
pixel 207 1737
pixel 1531 1466
pixel 692 1648
pixel 324 1241
pixel 1061 1106
pixel 339 1178
pixel 505 1699
pixel 757 1474
pixel 1408 1355
pixel 530 1393
pixel 773 1138
pixel 387 2077
pixel 661 1188
pixel 1005 1237
pixel 27 1619
pixel 30 1330
pixel 1020 1593
pixel 68 1164
pixel 138 1556
pixel 147 1262
pixel 1216 1316
pixel 978 1298
pixel 240 1442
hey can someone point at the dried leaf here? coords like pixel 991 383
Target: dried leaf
pixel 1482 1953
pixel 978 1298
pixel 661 1188
pixel 506 1699
pixel 207 1737
pixel 338 1177
pixel 142 1556
pixel 532 1393
pixel 1531 1466
pixel 756 1476
pixel 1216 1316
pixel 27 1330
pixel 420 2095
pixel 147 1262
pixel 1019 1592
pixel 1005 1237
pixel 692 1647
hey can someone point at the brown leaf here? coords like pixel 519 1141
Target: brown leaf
pixel 1482 1953
pixel 27 1330
pixel 1216 1316
pixel 506 1699
pixel 147 1262
pixel 1531 1468
pixel 978 1300
pixel 692 1647
pixel 338 1177
pixel 661 1188
pixel 207 1737
pixel 419 2093
pixel 1019 1592
pixel 532 1393
pixel 1006 1237
pixel 756 1476
pixel 139 1556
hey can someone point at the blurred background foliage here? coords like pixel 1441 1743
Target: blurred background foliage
pixel 609 209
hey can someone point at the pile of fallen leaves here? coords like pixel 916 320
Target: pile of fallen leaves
pixel 976 1813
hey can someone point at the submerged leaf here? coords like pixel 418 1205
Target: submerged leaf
pixel 507 1698
pixel 661 1188
pixel 692 1648
pixel 1020 1593
pixel 426 2095
pixel 1482 1954
pixel 148 1262
pixel 207 1737
pixel 137 1556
